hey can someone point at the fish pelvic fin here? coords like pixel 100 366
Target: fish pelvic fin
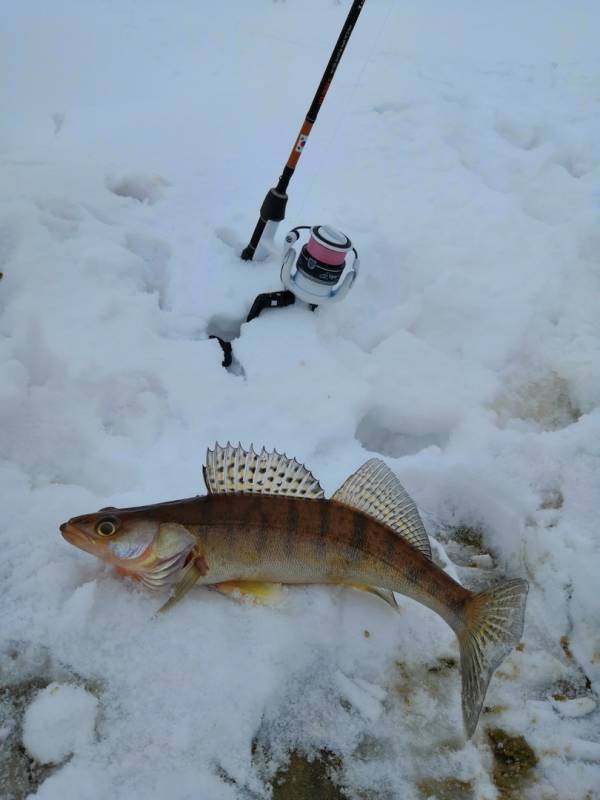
pixel 258 592
pixel 489 627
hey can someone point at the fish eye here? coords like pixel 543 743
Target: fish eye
pixel 107 526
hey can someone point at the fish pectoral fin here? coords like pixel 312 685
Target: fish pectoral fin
pixel 190 574
pixel 256 591
pixel 384 594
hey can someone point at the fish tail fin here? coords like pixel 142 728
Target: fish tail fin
pixel 490 626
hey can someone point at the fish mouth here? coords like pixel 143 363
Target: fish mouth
pixel 75 536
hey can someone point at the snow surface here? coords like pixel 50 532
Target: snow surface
pixel 459 148
pixel 58 722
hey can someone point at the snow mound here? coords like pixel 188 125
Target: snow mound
pixel 58 722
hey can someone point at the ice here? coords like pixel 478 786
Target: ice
pixel 458 147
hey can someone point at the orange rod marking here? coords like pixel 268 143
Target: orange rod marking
pixel 299 144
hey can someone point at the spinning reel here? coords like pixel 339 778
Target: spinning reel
pixel 318 274
pixel 313 270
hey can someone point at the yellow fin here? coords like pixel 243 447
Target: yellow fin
pixel 384 594
pixel 259 592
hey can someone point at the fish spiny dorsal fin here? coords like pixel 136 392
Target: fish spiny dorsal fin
pixel 233 470
pixel 376 491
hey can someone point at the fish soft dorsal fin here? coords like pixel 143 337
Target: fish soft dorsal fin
pixel 233 470
pixel 376 491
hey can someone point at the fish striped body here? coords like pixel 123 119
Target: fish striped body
pixel 295 541
pixel 265 520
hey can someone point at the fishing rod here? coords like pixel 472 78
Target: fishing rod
pixel 314 268
pixel 273 207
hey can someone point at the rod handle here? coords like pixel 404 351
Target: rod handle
pixel 272 210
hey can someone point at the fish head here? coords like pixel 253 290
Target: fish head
pixel 137 544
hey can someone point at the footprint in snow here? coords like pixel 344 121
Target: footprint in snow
pixel 377 437
pixel 520 134
pixel 61 217
pixel 155 255
pixel 143 188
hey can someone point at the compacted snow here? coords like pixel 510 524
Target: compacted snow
pixel 459 148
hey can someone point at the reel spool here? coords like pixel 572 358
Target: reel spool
pixel 319 274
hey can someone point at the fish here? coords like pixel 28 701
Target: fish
pixel 265 522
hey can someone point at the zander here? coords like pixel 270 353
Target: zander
pixel 265 521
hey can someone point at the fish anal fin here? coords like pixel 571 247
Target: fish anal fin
pixel 376 491
pixel 384 594
pixel 256 591
pixel 233 470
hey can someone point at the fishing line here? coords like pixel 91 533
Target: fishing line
pixel 318 179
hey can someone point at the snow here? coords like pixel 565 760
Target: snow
pixel 577 707
pixel 58 722
pixel 459 149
